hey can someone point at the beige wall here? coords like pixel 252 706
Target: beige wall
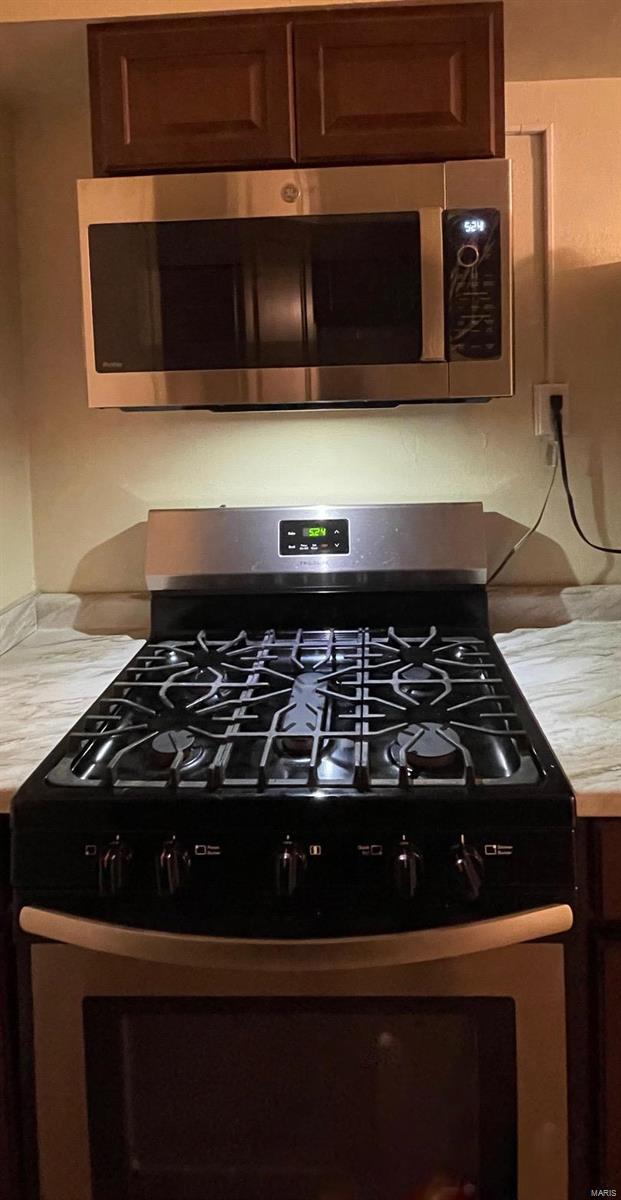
pixel 544 39
pixel 95 473
pixel 16 557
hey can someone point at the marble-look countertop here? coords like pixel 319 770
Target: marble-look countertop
pixel 571 676
pixel 46 683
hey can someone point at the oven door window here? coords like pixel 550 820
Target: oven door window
pixel 256 292
pixel 365 1099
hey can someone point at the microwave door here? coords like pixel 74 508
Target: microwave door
pixel 378 307
pixel 432 285
pixel 186 306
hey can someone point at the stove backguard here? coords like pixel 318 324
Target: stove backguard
pixel 356 548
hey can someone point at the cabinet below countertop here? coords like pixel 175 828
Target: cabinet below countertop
pixel 10 1156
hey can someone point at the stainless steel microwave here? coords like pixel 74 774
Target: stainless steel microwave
pixel 283 289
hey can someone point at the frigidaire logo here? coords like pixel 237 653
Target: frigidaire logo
pixel 111 366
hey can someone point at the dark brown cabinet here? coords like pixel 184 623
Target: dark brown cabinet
pixel 400 84
pixel 327 86
pixel 9 1127
pixel 606 878
pixel 610 1060
pixel 181 94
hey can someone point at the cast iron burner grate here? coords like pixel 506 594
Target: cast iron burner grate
pixel 355 709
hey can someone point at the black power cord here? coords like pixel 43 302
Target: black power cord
pixel 556 408
pixel 525 536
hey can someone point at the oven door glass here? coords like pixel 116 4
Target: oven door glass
pixel 301 1099
pixel 256 292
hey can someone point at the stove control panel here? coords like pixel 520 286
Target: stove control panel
pixel 323 537
pixel 314 875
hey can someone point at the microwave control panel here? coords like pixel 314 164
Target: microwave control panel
pixel 322 537
pixel 472 283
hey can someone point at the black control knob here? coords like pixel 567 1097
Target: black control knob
pixel 172 868
pixel 290 867
pixel 407 869
pixel 467 871
pixel 113 867
pixel 468 255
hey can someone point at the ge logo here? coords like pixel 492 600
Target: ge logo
pixel 290 192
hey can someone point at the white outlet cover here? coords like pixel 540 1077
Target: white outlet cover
pixel 542 417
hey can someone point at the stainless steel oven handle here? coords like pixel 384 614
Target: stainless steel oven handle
pixel 432 284
pixel 320 954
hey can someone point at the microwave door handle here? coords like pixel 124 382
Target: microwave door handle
pixel 432 284
pixel 313 954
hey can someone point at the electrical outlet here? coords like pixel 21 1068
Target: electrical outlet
pixel 542 415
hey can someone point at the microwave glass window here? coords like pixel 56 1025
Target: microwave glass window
pixel 314 1099
pixel 365 274
pixel 256 292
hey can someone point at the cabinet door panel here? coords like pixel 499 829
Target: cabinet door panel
pixel 170 95
pixel 401 83
pixel 609 845
pixel 610 1059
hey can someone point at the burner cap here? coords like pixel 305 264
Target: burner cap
pixel 296 745
pixel 415 673
pixel 166 746
pixel 429 750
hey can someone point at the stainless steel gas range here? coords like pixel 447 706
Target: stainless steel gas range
pixel 293 869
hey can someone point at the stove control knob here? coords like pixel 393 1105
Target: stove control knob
pixel 290 866
pixel 407 869
pixel 467 871
pixel 113 866
pixel 172 868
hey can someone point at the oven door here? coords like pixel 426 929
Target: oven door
pixel 293 1071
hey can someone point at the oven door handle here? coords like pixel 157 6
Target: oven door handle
pixel 312 954
pixel 432 284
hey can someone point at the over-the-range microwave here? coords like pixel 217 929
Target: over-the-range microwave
pixel 292 288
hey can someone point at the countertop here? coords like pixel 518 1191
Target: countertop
pixel 571 676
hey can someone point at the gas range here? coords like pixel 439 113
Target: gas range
pixel 320 737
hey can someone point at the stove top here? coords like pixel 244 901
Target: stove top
pixel 320 738
pixel 357 710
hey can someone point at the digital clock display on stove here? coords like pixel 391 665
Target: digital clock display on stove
pixel 298 537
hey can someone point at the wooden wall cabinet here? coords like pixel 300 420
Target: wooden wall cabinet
pixel 187 94
pixel 400 84
pixel 325 86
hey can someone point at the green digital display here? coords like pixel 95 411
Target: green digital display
pixel 315 531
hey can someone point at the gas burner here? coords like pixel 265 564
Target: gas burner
pixel 416 674
pixel 168 745
pixel 171 657
pixel 430 747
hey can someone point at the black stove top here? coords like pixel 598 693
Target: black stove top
pixel 314 743
pixel 356 710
